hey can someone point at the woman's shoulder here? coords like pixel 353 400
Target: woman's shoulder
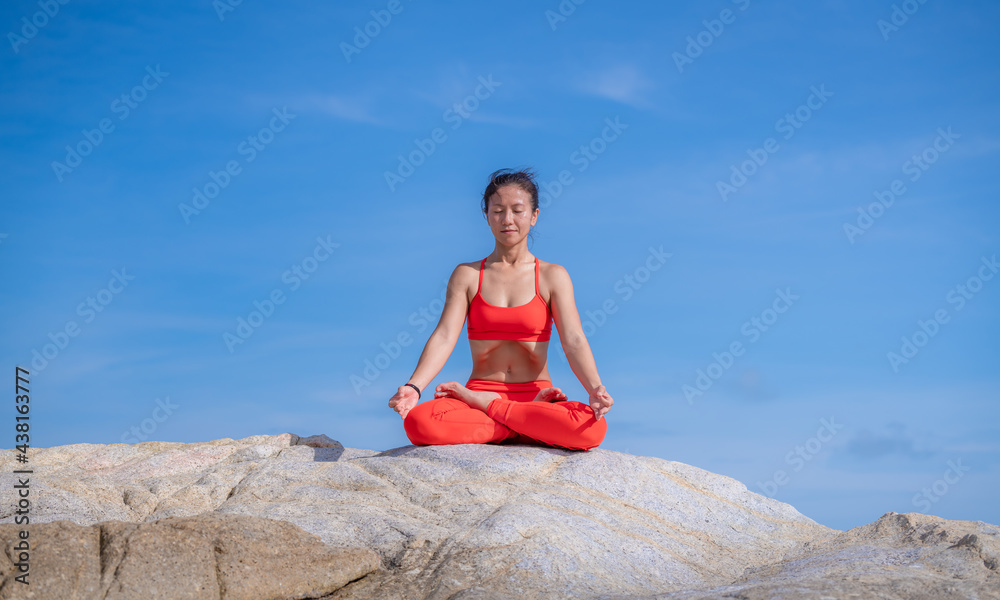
pixel 472 265
pixel 553 275
pixel 465 277
pixel 467 271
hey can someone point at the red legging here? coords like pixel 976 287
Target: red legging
pixel 512 418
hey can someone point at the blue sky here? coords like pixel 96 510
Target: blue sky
pixel 808 113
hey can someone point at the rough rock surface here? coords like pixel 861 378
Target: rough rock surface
pixel 237 557
pixel 900 556
pixel 501 521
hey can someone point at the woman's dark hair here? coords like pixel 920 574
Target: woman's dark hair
pixel 524 179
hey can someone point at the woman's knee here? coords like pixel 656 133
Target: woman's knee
pixel 584 432
pixel 427 423
pixel 417 425
pixel 600 431
pixel 593 435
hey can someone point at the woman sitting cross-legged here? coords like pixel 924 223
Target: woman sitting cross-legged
pixel 509 397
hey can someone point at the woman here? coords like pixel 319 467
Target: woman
pixel 509 396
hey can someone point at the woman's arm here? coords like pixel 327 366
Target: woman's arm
pixel 442 341
pixel 574 342
pixel 567 320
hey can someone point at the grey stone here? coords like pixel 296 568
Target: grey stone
pixel 500 521
pixel 207 557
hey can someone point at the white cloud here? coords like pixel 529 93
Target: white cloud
pixel 623 83
pixel 342 107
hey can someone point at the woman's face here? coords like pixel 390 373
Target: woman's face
pixel 510 214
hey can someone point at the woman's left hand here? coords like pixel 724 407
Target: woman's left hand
pixel 600 401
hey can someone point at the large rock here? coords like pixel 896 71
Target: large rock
pixel 900 557
pixel 206 557
pixel 499 521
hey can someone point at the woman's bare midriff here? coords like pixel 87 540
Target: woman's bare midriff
pixel 509 361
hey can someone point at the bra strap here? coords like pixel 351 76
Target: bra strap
pixel 536 276
pixel 482 265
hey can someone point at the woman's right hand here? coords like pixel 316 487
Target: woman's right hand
pixel 404 400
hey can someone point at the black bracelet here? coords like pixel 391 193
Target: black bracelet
pixel 414 387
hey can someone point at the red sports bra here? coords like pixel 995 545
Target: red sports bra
pixel 527 322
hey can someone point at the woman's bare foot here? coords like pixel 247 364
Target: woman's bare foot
pixel 552 394
pixel 454 389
